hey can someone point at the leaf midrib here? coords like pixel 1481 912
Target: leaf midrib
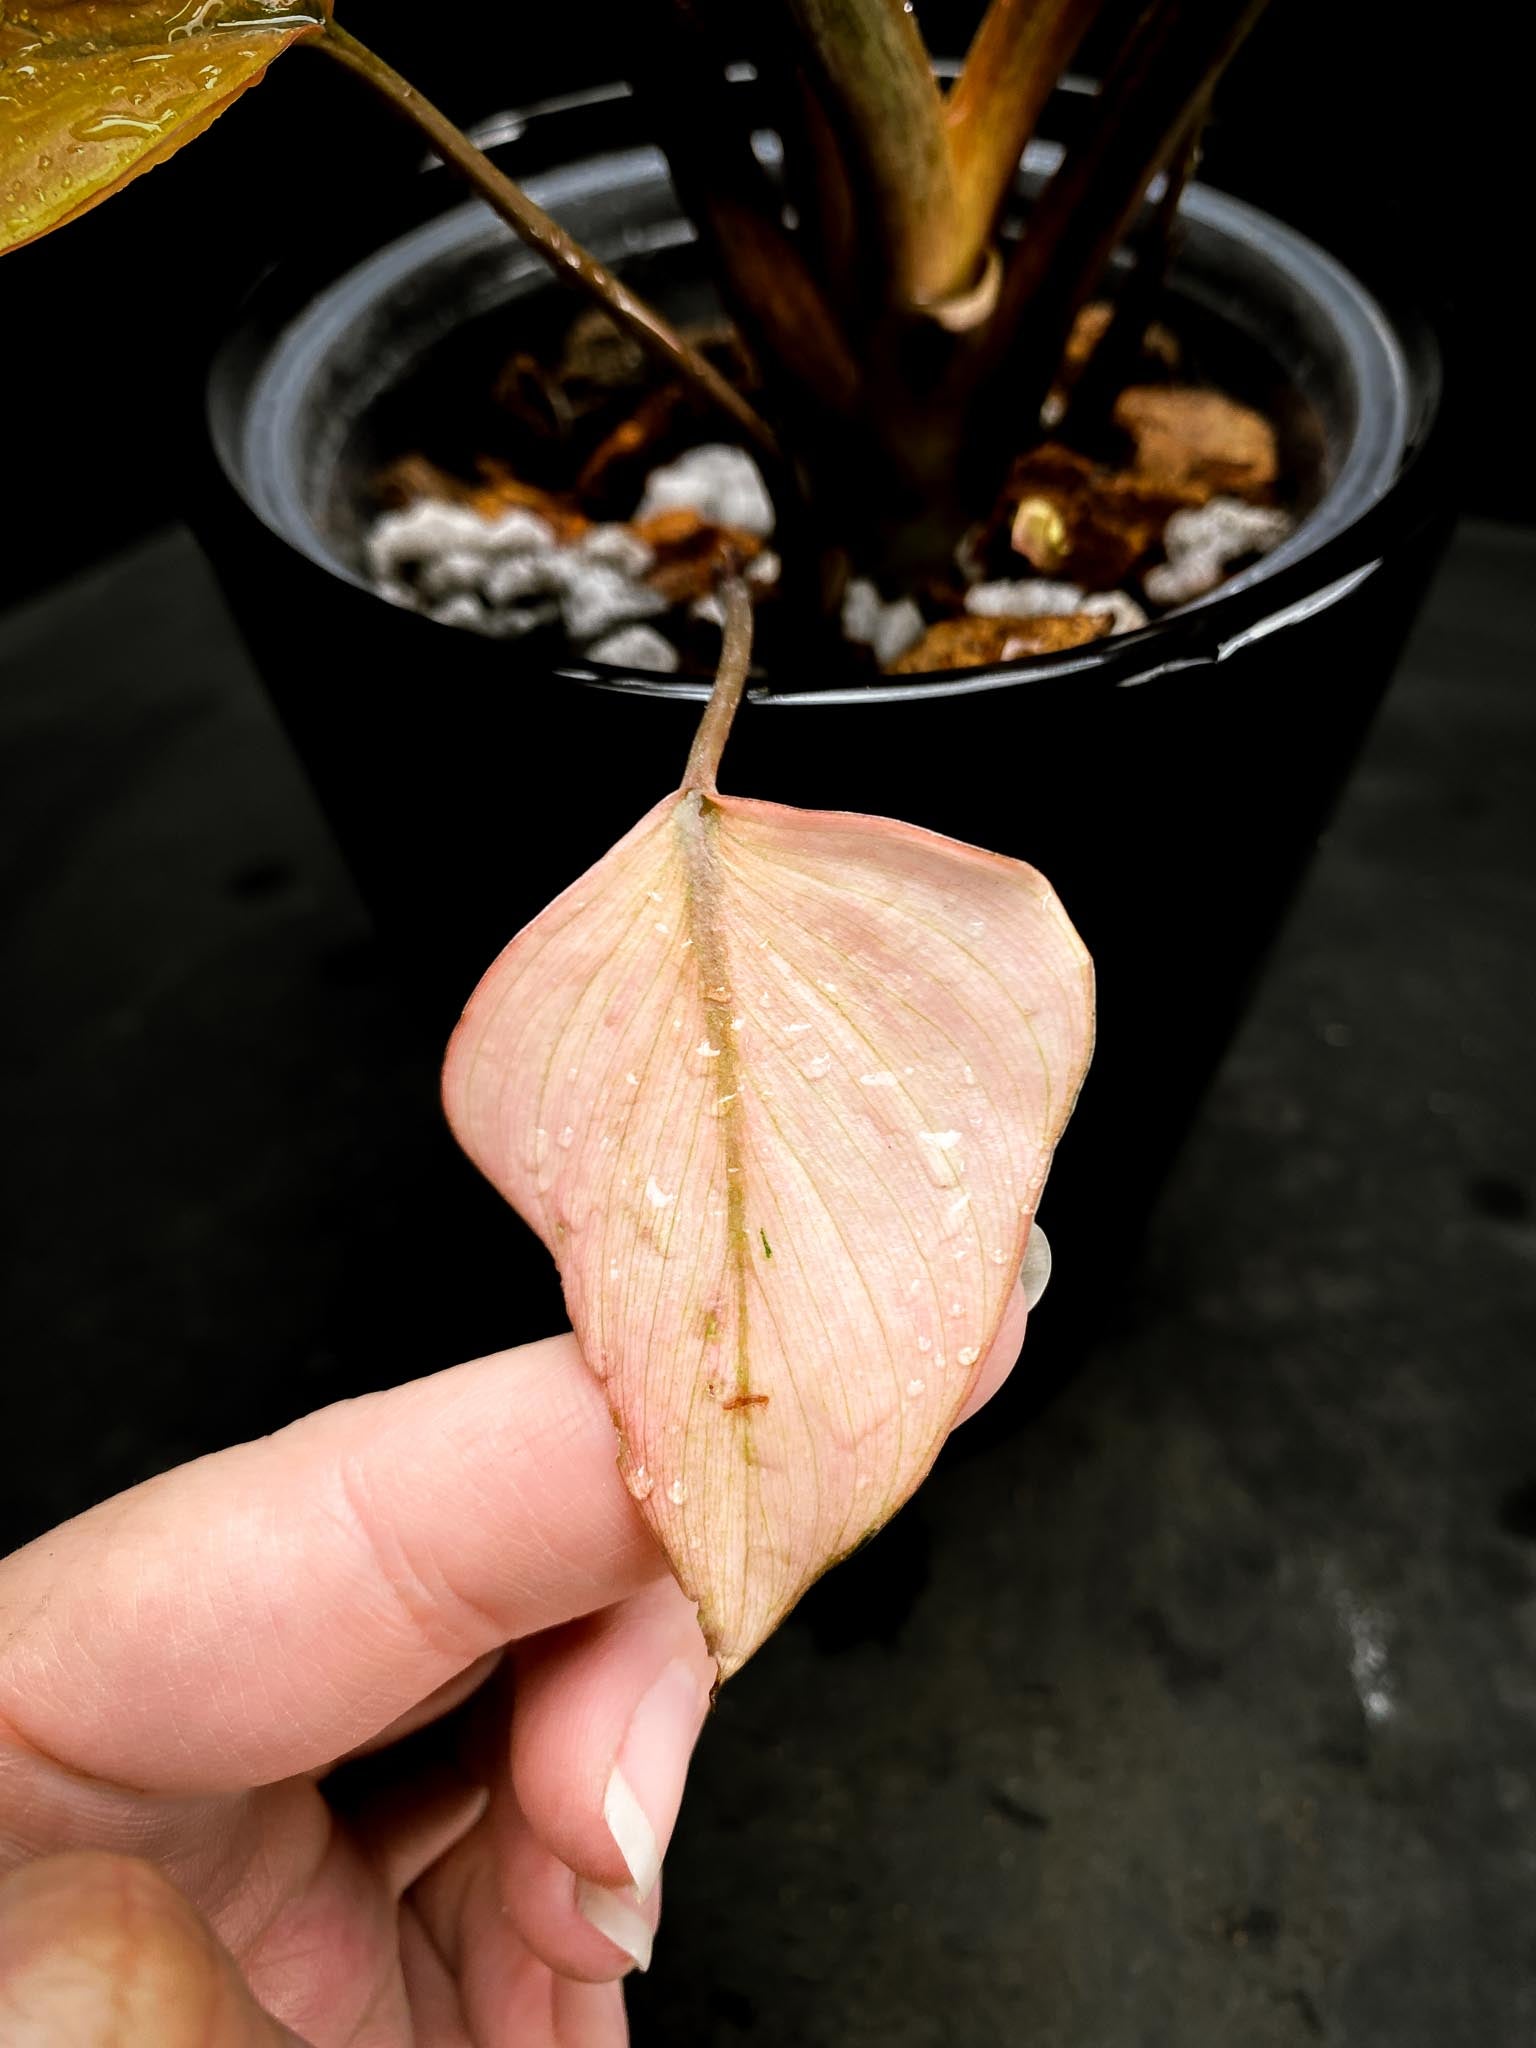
pixel 698 825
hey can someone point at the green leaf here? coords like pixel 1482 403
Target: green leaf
pixel 92 94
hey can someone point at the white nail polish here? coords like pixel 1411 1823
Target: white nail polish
pixel 617 1917
pixel 1037 1265
pixel 636 1838
pixel 645 1787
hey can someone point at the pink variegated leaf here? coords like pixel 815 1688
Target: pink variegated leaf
pixel 779 1089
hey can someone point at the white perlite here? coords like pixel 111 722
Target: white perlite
pixel 517 620
pixel 1031 597
pixel 1202 540
pixel 639 647
pixel 615 547
pixel 460 610
pixel 517 531
pixel 594 599
pixel 1038 597
pixel 888 629
pixel 1125 614
pixel 511 577
pixel 720 483
pixel 462 570
pixel 422 533
pixel 453 570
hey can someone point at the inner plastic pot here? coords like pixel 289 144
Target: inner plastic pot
pixel 1171 783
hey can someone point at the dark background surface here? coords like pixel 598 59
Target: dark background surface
pixel 1199 1709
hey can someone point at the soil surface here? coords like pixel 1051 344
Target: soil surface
pixel 571 500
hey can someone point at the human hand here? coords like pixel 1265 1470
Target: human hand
pixel 447 1584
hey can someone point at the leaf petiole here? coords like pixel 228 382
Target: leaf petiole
pixel 730 680
pixel 545 236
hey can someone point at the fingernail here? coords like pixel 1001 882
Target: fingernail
pixel 645 1787
pixel 1037 1266
pixel 617 1918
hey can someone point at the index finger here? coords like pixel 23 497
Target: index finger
pixel 266 1609
pixel 262 1610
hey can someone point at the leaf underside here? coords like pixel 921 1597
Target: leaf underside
pixel 93 93
pixel 779 1089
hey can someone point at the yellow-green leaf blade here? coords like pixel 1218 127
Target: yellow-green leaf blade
pixel 780 1090
pixel 92 93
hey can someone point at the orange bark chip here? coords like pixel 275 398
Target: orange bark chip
pixel 973 643
pixel 1198 440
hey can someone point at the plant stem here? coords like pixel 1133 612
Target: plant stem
pixel 870 64
pixel 817 184
pixel 730 681
pixel 548 239
pixel 1010 72
pixel 1166 68
pixel 779 305
pixel 1109 368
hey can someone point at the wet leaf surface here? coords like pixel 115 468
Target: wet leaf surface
pixel 779 1089
pixel 92 94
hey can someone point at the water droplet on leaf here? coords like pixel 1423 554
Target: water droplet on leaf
pixel 941 1157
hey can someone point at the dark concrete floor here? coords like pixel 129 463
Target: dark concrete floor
pixel 1212 1719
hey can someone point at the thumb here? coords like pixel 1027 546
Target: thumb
pixel 97 1948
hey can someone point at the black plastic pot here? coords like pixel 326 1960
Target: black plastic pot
pixel 1171 783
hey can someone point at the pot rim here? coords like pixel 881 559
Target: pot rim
pixel 1334 548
